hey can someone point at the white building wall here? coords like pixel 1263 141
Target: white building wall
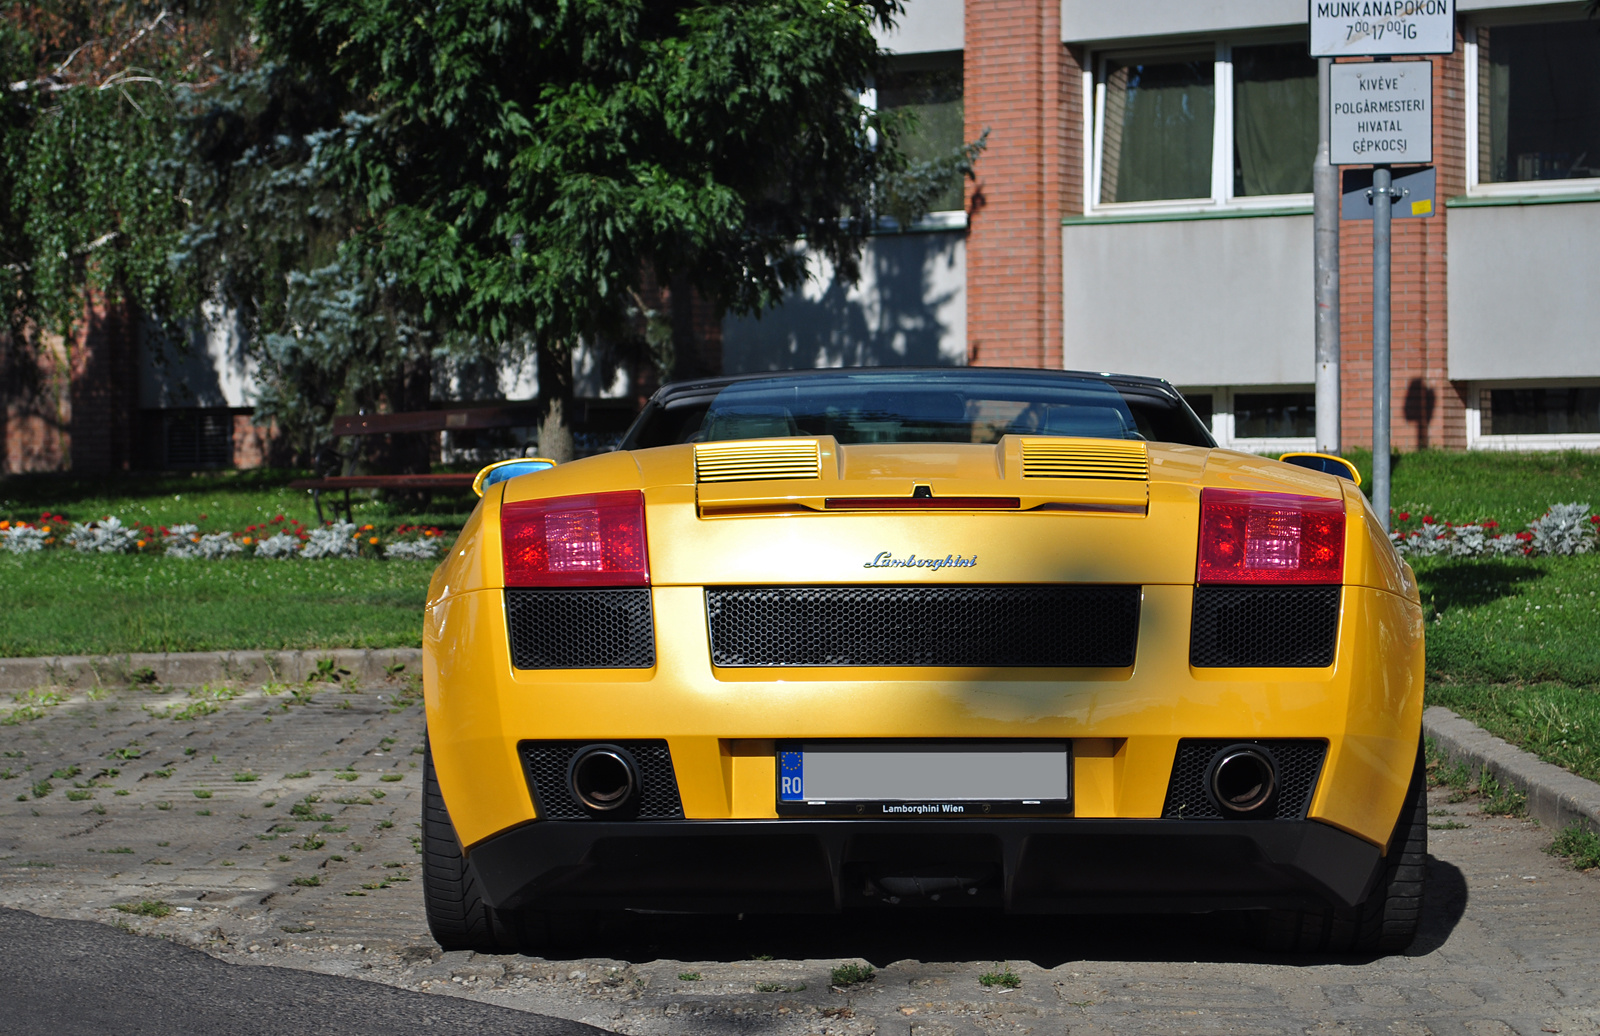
pixel 909 308
pixel 926 26
pixel 1195 301
pixel 1524 291
pixel 211 369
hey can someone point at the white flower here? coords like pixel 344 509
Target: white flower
pixel 107 536
pixel 281 545
pixel 417 550
pixel 217 545
pixel 1564 529
pixel 181 541
pixel 334 541
pixel 23 539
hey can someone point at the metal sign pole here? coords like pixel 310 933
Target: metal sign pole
pixel 1325 235
pixel 1382 200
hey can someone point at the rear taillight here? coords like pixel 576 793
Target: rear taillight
pixel 595 540
pixel 1250 537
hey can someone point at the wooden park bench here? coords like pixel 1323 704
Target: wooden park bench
pixel 470 419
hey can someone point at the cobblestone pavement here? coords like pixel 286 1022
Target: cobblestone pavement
pixel 281 828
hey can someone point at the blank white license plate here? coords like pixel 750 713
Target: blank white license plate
pixel 918 779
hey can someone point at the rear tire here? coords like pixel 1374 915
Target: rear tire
pixel 1387 921
pixel 458 915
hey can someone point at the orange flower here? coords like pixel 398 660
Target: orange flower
pixel 141 544
pixel 246 541
pixel 5 525
pixel 372 540
pixel 46 529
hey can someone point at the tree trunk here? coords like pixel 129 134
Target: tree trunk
pixel 555 400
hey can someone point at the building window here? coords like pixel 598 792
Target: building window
pixel 1258 419
pixel 1274 119
pixel 1274 415
pixel 1536 94
pixel 1161 121
pixel 1540 411
pixel 197 439
pixel 928 88
pixel 1157 129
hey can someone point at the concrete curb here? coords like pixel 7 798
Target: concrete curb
pixel 1556 798
pixel 193 668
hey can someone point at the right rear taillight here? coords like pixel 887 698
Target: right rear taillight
pixel 592 540
pixel 1248 537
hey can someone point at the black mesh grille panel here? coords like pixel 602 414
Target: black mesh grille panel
pixel 1264 625
pixel 581 629
pixel 945 625
pixel 1299 763
pixel 547 763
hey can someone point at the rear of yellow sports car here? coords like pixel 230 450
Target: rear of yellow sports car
pixel 1045 673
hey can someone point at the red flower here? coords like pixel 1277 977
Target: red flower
pixel 1427 519
pixel 1404 516
pixel 1595 518
pixel 278 519
pixel 1491 524
pixel 202 517
pixel 1525 537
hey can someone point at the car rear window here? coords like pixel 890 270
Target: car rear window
pixel 888 407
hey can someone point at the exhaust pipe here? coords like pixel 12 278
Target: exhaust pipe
pixel 1244 780
pixel 605 780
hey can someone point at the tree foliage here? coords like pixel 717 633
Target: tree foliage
pixel 90 204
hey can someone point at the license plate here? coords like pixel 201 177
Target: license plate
pixel 910 780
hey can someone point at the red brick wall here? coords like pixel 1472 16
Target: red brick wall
pixel 1426 409
pixel 1017 73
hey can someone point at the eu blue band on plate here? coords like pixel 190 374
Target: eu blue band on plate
pixel 791 776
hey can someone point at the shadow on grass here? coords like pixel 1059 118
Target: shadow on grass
pixel 1472 584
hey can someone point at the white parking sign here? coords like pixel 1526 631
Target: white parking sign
pixel 1381 113
pixel 1381 28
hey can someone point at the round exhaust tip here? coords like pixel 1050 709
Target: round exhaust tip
pixel 1244 779
pixel 604 779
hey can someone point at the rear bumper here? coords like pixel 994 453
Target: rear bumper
pixel 1020 866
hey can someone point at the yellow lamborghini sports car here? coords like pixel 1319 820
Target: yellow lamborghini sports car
pixel 924 639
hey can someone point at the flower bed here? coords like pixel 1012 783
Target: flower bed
pixel 1563 530
pixel 279 538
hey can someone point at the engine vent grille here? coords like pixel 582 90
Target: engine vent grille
pixel 547 763
pixel 1264 626
pixel 1085 458
pixel 757 460
pixel 581 629
pixel 1299 764
pixel 925 626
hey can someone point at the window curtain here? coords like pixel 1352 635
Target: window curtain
pixel 1543 100
pixel 1274 119
pixel 1158 127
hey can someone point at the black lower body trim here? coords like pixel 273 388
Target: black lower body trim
pixel 1021 866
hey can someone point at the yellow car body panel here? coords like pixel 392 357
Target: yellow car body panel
pixel 721 725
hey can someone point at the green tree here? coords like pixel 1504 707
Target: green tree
pixel 89 205
pixel 470 177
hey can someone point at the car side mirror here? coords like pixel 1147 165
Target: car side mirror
pixel 1326 463
pixel 501 470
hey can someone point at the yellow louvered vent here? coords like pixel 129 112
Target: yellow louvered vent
pixel 757 459
pixel 1085 458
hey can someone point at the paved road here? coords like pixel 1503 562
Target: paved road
pixel 1511 940
pixel 64 978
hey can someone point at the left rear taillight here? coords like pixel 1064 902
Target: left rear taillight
pixel 592 540
pixel 1248 537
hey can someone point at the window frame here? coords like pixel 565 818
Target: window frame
pixel 1471 86
pixel 1222 198
pixel 1222 419
pixel 1476 440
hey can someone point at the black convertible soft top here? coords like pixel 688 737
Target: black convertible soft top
pixel 917 404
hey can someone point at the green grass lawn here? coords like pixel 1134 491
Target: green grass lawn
pixel 228 500
pixel 1511 488
pixel 62 603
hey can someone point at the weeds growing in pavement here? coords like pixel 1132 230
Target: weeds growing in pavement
pixel 1578 844
pixel 851 974
pixel 1007 978
pixel 144 908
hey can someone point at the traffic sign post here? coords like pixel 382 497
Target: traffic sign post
pixel 1377 113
